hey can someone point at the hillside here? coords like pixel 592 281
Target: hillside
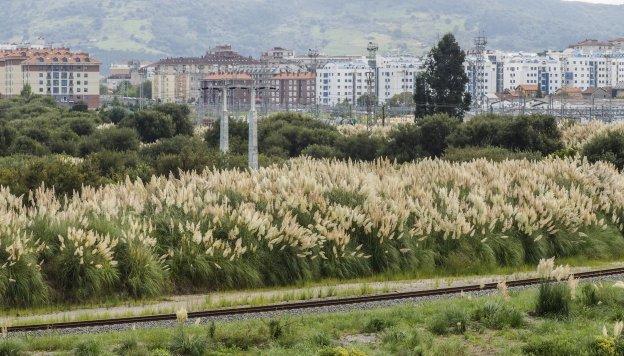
pixel 114 29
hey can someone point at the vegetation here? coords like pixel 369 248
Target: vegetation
pixel 482 325
pixel 303 221
pixel 441 87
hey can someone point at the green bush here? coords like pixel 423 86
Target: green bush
pixel 320 151
pixel 554 346
pixel 523 133
pixel 131 347
pixel 151 125
pixel 11 348
pixel 186 344
pixel 553 299
pixel 608 148
pixel 451 321
pixel 112 139
pixel 376 325
pixel 361 146
pixel 88 347
pixel 498 316
pixel 179 115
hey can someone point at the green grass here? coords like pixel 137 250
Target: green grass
pixel 488 325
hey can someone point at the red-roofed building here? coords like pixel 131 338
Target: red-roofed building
pixel 67 76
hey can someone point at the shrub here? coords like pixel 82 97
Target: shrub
pixel 403 143
pixel 180 116
pixel 608 148
pixel 7 137
pixel 553 299
pixel 11 348
pixel 88 347
pixel 188 345
pixel 115 114
pixel 114 139
pixel 131 347
pixel 498 316
pixel 28 146
pixel 523 133
pixel 434 132
pixel 82 126
pixel 320 151
pixel 362 146
pixel 376 325
pixel 451 321
pixel 553 346
pixel 80 106
pixel 321 339
pixel 151 125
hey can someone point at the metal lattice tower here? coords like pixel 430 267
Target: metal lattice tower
pixel 478 72
pixel 371 77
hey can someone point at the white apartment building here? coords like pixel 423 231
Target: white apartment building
pixel 482 77
pixel 396 75
pixel 337 82
pixel 544 71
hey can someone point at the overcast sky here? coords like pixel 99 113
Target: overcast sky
pixel 613 2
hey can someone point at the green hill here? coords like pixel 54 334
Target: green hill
pixel 114 29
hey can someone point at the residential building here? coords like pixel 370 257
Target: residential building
pixel 282 86
pixel 347 81
pixel 396 75
pixel 179 79
pixel 67 76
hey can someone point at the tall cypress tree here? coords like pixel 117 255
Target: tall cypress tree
pixel 444 80
pixel 421 97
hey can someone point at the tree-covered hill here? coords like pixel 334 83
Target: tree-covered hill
pixel 118 28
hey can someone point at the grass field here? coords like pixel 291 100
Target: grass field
pixel 459 326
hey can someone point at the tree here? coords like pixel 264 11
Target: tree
pixel 606 147
pixel 365 100
pixel 26 92
pixel 421 97
pixel 443 86
pixel 80 106
pixel 180 115
pixel 402 99
pixel 7 137
pixel 151 125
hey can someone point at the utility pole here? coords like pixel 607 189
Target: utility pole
pixel 314 54
pixel 224 139
pixel 253 132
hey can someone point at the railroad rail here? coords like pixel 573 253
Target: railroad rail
pixel 301 305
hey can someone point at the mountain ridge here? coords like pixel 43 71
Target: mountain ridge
pixel 117 29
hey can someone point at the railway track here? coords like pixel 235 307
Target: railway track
pixel 300 305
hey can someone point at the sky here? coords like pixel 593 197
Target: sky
pixel 612 2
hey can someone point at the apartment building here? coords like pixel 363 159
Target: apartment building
pixel 179 79
pixel 347 81
pixel 531 69
pixel 67 76
pixel 281 86
pixel 482 76
pixel 396 75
